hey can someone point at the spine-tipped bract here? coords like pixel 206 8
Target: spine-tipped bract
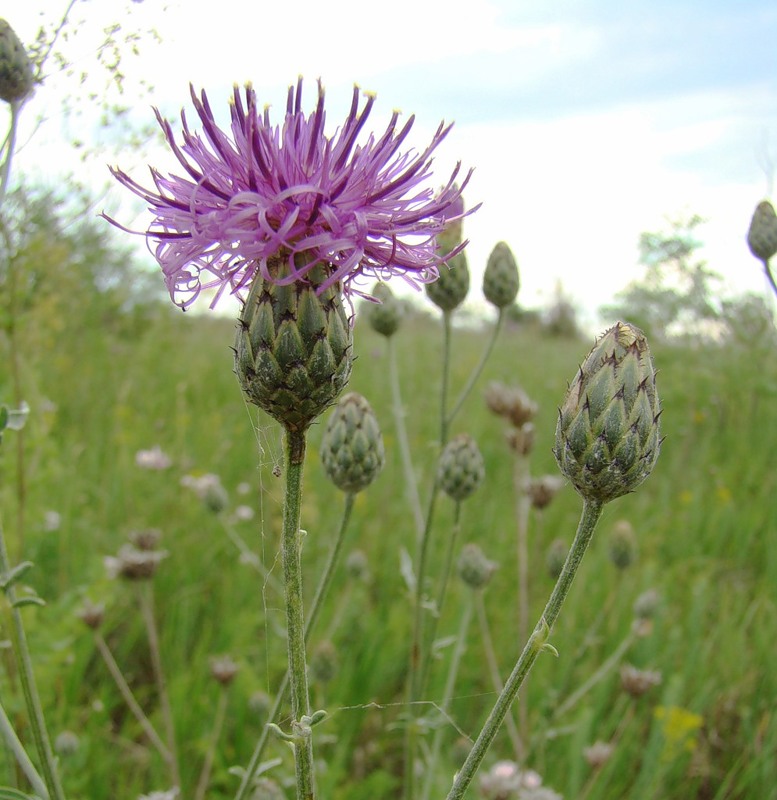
pixel 607 436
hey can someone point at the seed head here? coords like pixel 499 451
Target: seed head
pixel 223 669
pixel 16 75
pixel 134 564
pixel 92 614
pixel 542 490
pixel 607 436
pixel 461 469
pixel 384 316
pixel 510 402
pixel 500 279
pixel 762 236
pixel 352 446
pixel 598 754
pixel 636 682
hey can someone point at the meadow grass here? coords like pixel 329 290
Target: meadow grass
pixel 706 522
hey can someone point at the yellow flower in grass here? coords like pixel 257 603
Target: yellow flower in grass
pixel 679 727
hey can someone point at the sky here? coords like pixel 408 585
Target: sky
pixel 586 122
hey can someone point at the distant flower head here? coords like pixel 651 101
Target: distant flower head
pixel 263 193
pixel 154 459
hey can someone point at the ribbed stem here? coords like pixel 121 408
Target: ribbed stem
pixel 29 689
pixel 295 442
pixel 318 602
pixel 589 518
pixel 12 742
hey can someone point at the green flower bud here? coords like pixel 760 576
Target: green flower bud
pixel 16 77
pixel 474 568
pixel 500 279
pixel 762 236
pixel 450 289
pixel 622 546
pixel 607 436
pixel 646 605
pixel 293 350
pixel 461 469
pixel 384 317
pixel 352 448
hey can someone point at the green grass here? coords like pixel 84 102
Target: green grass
pixel 706 523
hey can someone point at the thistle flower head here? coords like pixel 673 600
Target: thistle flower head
pixel 762 235
pixel 607 436
pixel 500 279
pixel 352 446
pixel 16 75
pixel 461 469
pixel 263 193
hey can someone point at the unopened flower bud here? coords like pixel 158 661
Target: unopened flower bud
pixel 384 317
pixel 293 349
pixel 324 662
pixel 474 568
pixel 762 236
pixel 622 545
pixel 450 289
pixel 555 557
pixel 16 76
pixel 542 490
pixel 352 447
pixel 607 436
pixel 461 469
pixel 223 669
pixel 500 279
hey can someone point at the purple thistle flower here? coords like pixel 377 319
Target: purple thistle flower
pixel 294 194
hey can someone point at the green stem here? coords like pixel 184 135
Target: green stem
pixel 450 683
pixel 416 647
pixel 318 602
pixel 129 699
pixel 295 618
pixel 10 145
pixel 398 410
pixel 592 510
pixel 496 675
pixel 479 368
pixel 20 754
pixel 441 594
pixel 521 477
pixel 769 275
pixel 149 620
pixel 207 764
pixel 29 688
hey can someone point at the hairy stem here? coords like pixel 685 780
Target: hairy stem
pixel 318 602
pixel 295 618
pixel 589 518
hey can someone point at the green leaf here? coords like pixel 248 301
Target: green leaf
pixel 6 793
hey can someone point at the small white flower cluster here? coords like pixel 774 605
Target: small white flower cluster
pixel 507 781
pixel 153 459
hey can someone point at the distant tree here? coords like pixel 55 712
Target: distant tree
pixel 677 292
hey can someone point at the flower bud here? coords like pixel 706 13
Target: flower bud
pixel 762 236
pixel 384 317
pixel 16 76
pixel 450 289
pixel 293 349
pixel 646 605
pixel 622 546
pixel 461 469
pixel 474 568
pixel 500 279
pixel 352 447
pixel 607 436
